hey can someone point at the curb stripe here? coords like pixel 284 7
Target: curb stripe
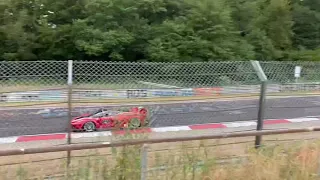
pixel 8 140
pixel 278 121
pixel 302 119
pixel 41 137
pixel 137 131
pixel 90 134
pixel 240 124
pixel 171 129
pixel 207 126
pixel 61 136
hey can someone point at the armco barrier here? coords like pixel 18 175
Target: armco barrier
pixel 137 93
pixel 300 87
pixel 98 94
pixel 154 93
pixel 61 95
pixel 215 91
pixel 29 96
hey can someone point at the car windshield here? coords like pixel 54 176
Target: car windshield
pixel 94 113
pixel 112 113
pixel 100 114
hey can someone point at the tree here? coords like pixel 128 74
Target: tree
pixel 205 32
pixel 18 30
pixel 306 27
pixel 159 30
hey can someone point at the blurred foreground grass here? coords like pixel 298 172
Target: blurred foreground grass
pixel 194 160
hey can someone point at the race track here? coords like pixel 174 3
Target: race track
pixel 29 122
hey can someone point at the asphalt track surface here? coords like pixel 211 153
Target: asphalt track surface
pixel 33 121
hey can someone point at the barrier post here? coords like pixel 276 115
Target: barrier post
pixel 261 113
pixel 144 162
pixel 70 74
pixel 263 88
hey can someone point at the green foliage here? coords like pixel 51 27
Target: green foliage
pixel 307 27
pixel 159 30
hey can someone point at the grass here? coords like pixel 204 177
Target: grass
pixel 44 84
pixel 195 160
pixel 39 87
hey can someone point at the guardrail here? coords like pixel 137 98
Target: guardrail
pixel 73 147
pixel 144 145
pixel 89 94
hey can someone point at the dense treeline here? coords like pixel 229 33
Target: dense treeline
pixel 160 30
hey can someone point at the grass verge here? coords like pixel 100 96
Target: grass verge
pixel 32 86
pixel 221 159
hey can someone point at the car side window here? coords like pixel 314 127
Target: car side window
pixel 102 114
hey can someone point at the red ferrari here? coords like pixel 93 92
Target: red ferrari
pixel 107 119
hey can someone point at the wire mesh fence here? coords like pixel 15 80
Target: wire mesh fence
pixel 35 75
pixel 38 106
pixel 32 75
pixel 284 72
pixel 109 75
pixel 114 86
pixel 39 75
pixel 294 78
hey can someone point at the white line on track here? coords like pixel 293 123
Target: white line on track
pixel 8 140
pixel 240 124
pixel 302 119
pixel 171 129
pixel 91 135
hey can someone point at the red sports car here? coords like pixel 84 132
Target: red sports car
pixel 107 119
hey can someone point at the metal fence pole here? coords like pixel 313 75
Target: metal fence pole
pixel 318 170
pixel 261 112
pixel 263 78
pixel 144 162
pixel 70 63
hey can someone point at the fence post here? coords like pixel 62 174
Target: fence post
pixel 263 88
pixel 261 112
pixel 70 74
pixel 144 162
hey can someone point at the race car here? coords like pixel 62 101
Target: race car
pixel 108 119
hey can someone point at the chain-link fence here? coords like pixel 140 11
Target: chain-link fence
pixel 34 94
pixel 162 75
pixel 284 72
pixel 32 75
pixel 42 75
pixel 39 75
pixel 34 98
pixel 299 89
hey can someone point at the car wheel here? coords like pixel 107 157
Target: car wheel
pixel 146 122
pixel 134 123
pixel 89 127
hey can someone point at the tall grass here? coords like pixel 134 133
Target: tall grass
pixel 294 161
